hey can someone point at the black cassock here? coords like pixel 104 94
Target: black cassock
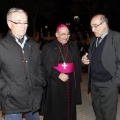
pixel 60 101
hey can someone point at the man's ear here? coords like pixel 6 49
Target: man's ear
pixel 56 34
pixel 9 24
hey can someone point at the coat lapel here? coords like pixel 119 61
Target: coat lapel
pixel 107 45
pixel 108 52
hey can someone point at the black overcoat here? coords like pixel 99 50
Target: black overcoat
pixel 55 86
pixel 21 76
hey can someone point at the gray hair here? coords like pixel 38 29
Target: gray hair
pixel 13 10
pixel 103 18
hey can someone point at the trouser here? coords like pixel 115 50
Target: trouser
pixel 104 100
pixel 28 116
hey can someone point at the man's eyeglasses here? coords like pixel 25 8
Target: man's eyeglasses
pixel 96 26
pixel 63 34
pixel 18 23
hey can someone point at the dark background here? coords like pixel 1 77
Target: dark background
pixel 53 12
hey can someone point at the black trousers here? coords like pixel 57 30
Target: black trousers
pixel 104 100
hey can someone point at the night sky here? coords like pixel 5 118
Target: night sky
pixel 53 12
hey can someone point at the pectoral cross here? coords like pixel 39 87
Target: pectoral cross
pixel 64 65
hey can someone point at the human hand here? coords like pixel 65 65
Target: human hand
pixel 85 59
pixel 63 77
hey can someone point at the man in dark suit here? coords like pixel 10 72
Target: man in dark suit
pixel 104 68
pixel 61 60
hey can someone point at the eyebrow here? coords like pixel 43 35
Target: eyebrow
pixel 95 24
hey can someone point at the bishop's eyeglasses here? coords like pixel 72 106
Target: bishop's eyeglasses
pixel 64 34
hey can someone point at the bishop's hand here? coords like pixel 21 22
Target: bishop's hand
pixel 63 77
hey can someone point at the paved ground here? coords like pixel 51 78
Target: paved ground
pixel 85 111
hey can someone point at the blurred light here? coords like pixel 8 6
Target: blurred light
pixel 68 24
pixel 46 27
pixel 76 18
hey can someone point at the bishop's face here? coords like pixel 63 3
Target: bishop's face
pixel 63 35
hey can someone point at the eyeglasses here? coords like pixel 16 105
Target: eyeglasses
pixel 96 26
pixel 18 23
pixel 63 34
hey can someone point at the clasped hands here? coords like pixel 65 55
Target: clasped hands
pixel 64 77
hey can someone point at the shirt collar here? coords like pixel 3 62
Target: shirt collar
pixel 105 33
pixel 24 41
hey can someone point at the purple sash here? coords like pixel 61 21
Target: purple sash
pixel 65 67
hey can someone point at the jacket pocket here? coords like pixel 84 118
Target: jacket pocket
pixel 20 101
pixel 18 98
pixel 5 92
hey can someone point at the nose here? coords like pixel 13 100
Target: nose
pixel 23 24
pixel 93 29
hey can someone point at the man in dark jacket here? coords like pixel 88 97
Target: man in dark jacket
pixel 61 60
pixel 21 73
pixel 104 68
